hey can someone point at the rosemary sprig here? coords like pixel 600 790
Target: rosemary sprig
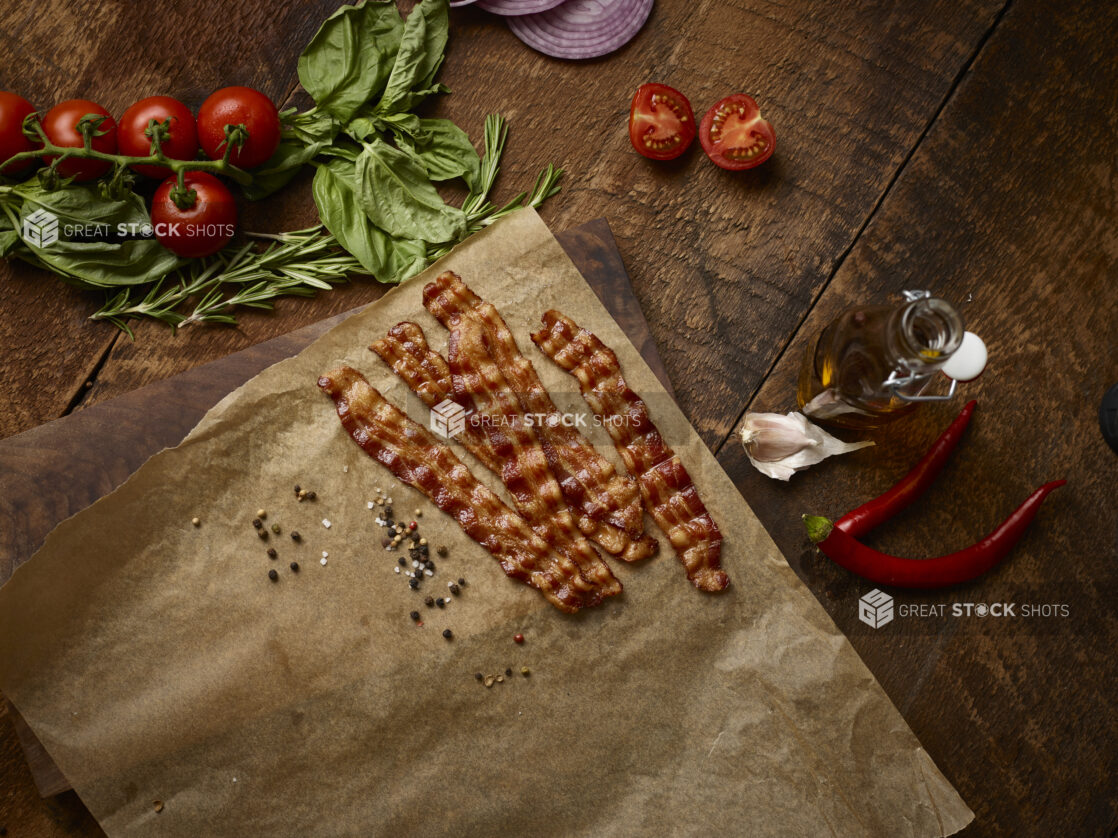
pixel 298 263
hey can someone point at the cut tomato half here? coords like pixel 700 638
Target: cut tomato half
pixel 661 122
pixel 734 134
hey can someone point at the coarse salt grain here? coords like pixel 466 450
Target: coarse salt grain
pixel 370 504
pixel 396 569
pixel 325 555
pixel 322 561
pixel 429 572
pixel 345 469
pixel 326 523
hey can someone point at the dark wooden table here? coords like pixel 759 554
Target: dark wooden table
pixel 966 146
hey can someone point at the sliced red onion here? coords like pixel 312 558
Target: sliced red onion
pixel 517 7
pixel 454 3
pixel 582 28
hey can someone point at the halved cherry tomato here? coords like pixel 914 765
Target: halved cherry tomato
pixel 661 122
pixel 735 136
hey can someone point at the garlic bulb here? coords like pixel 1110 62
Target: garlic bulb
pixel 779 446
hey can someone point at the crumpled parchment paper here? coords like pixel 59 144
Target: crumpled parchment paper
pixel 185 694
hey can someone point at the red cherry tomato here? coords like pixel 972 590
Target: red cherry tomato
pixel 13 110
pixel 661 122
pixel 735 136
pixel 204 228
pixel 61 127
pixel 239 106
pixel 181 144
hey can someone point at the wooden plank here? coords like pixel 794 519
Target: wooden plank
pixel 1020 715
pixel 59 468
pixel 726 264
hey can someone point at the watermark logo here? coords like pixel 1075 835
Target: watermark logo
pixel 875 609
pixel 448 419
pixel 40 228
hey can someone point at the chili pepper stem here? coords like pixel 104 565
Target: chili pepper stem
pixel 818 527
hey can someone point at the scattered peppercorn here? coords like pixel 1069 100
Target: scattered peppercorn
pixel 508 671
pixel 196 522
pixel 295 535
pixel 311 496
pixel 295 567
pixel 273 575
pixel 156 805
pixel 276 529
pixel 524 671
pixel 412 525
pixel 403 561
pixel 489 679
pixel 384 542
pixel 261 513
pixel 447 633
pixel 478 675
pixel 440 602
pixel 413 583
pixel 500 679
pixel 429 602
pixel 388 513
pixel 461 582
pixel 263 534
pixel 519 638
pixel 256 522
pixel 271 552
pixel 415 615
pixel 454 589
pixel 298 488
pixel 442 551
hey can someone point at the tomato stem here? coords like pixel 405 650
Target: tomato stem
pixel 49 149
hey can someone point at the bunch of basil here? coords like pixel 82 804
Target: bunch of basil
pixel 376 167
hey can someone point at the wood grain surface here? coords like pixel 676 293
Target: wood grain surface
pixel 969 147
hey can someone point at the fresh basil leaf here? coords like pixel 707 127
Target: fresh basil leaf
pixel 280 168
pixel 104 264
pixel 313 127
pixel 388 258
pixel 445 150
pixel 363 127
pixel 407 124
pixel 8 240
pixel 350 58
pixel 395 192
pixel 421 54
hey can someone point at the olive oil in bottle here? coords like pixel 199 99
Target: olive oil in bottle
pixel 873 363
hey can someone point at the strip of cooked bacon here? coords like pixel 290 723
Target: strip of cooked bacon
pixel 591 485
pixel 669 494
pixel 416 457
pixel 425 371
pixel 480 387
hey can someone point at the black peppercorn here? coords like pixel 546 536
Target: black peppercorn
pixel 256 522
pixel 271 552
pixel 462 582
pixel 388 514
pixel 447 633
pixel 295 535
pixel 454 589
pixel 442 551
pixel 403 562
pixel 478 675
pixel 440 602
pixel 295 567
pixel 273 575
pixel 413 583
pixel 415 615
pixel 508 671
pixel 298 488
pixel 311 495
pixel 429 602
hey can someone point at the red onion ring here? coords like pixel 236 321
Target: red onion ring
pixel 517 7
pixel 582 28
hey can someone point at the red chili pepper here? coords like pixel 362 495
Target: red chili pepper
pixel 860 521
pixel 939 572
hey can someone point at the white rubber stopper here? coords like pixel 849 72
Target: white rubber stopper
pixel 968 361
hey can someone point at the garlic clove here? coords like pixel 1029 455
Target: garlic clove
pixel 778 446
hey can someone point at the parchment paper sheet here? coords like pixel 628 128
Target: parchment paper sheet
pixel 157 662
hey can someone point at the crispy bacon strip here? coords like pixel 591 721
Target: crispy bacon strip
pixel 480 387
pixel 590 483
pixel 425 371
pixel 667 489
pixel 416 457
